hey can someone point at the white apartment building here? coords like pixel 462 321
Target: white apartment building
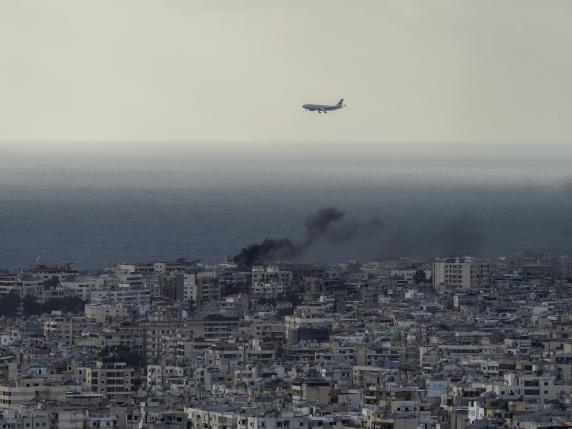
pixel 124 295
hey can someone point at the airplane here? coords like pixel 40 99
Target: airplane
pixel 325 108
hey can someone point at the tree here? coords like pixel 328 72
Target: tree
pixel 52 283
pixel 71 304
pixel 9 304
pixel 31 306
pixel 289 311
pixel 419 277
pixel 67 305
pixel 123 354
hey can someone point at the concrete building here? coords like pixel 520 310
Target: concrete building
pixel 110 377
pixel 104 312
pixel 269 282
pixel 63 329
pixel 464 272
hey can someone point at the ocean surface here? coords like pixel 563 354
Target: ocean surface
pixel 98 208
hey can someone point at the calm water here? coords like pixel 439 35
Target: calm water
pixel 95 209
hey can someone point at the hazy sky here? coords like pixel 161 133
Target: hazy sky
pixel 231 70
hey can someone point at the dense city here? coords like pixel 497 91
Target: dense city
pixel 448 343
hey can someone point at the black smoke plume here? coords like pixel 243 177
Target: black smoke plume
pixel 324 226
pixel 267 250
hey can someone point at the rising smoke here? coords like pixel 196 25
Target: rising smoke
pixel 453 235
pixel 326 226
pixel 458 234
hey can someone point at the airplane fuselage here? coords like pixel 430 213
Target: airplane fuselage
pixel 325 108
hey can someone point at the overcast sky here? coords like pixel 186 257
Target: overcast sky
pixel 194 71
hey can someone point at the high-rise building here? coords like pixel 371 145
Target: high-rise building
pixel 461 272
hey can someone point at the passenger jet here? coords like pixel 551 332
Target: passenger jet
pixel 325 108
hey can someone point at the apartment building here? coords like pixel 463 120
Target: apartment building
pixel 63 329
pixel 110 377
pixel 463 272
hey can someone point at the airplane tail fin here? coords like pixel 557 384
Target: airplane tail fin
pixel 341 103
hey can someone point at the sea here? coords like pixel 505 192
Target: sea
pixel 94 209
